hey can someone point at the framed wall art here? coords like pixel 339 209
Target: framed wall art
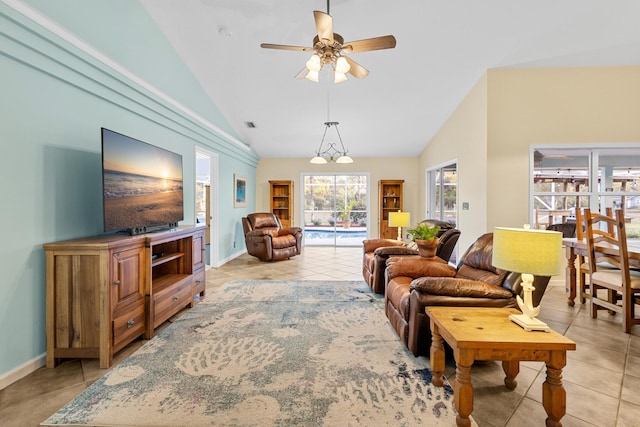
pixel 239 191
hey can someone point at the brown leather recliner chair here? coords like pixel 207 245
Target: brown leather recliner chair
pixel 377 251
pixel 267 240
pixel 412 286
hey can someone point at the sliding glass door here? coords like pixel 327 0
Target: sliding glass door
pixel 442 193
pixel 335 209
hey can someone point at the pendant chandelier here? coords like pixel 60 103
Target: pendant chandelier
pixel 331 151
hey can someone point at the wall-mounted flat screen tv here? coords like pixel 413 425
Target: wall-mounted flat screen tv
pixel 142 185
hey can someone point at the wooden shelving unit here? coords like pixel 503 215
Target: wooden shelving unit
pixel 390 200
pixel 281 201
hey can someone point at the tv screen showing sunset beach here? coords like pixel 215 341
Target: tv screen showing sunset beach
pixel 142 183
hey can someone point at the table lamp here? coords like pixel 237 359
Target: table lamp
pixel 399 219
pixel 529 252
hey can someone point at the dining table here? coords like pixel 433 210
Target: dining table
pixel 574 247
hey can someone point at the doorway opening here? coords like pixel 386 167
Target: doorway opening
pixel 206 205
pixel 442 196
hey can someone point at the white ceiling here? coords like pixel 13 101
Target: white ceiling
pixel 443 47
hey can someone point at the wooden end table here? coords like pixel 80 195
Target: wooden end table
pixel 479 333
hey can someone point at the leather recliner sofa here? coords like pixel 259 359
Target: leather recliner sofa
pixel 377 251
pixel 412 284
pixel 267 240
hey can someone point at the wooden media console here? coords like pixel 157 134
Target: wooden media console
pixel 104 292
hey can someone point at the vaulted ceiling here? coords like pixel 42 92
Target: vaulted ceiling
pixel 443 48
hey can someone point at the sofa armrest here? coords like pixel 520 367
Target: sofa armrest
pixel 417 266
pixel 370 245
pixel 289 230
pixel 387 251
pixel 459 288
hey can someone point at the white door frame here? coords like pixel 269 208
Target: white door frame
pixel 213 203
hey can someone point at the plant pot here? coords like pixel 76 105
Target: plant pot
pixel 346 223
pixel 427 248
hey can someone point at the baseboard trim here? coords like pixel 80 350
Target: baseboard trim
pixel 22 371
pixel 231 257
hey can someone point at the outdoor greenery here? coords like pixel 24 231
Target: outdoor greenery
pixel 329 199
pixel 345 213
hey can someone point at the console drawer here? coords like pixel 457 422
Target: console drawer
pixel 199 285
pixel 128 326
pixel 171 300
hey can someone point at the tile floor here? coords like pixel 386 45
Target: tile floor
pixel 600 376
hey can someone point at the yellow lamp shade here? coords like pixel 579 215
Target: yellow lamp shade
pixel 522 250
pixel 399 219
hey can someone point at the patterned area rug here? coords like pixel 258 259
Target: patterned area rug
pixel 270 353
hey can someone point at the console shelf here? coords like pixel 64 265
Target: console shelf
pixel 104 292
pixel 166 258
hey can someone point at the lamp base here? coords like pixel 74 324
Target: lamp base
pixel 528 323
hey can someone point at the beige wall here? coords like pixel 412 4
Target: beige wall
pixel 492 130
pixel 463 138
pixel 377 168
pixel 563 106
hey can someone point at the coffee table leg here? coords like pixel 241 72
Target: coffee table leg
pixel 511 370
pixel 436 355
pixel 554 396
pixel 463 390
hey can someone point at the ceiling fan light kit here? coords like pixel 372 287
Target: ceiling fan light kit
pixel 313 76
pixel 328 48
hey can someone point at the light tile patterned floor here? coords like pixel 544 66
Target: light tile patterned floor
pixel 602 376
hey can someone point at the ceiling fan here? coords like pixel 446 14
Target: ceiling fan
pixel 328 48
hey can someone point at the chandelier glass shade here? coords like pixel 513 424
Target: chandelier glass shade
pixel 331 152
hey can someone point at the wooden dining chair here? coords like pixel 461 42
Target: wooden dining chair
pixel 583 263
pixel 622 285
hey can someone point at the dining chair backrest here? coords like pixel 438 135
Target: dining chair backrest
pixel 581 225
pixel 614 287
pixel 606 247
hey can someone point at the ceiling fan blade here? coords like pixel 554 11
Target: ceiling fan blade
pixel 375 43
pixel 302 74
pixel 286 47
pixel 324 25
pixel 356 70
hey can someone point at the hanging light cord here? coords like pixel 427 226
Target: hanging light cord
pixel 331 151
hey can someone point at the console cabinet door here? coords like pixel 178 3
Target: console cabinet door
pixel 198 254
pixel 127 279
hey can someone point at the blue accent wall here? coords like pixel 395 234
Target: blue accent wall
pixel 55 98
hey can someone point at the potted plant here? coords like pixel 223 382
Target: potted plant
pixel 426 238
pixel 345 215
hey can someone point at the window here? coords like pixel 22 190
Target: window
pixel 600 177
pixel 442 193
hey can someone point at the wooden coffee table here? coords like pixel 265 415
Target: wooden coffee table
pixel 479 333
